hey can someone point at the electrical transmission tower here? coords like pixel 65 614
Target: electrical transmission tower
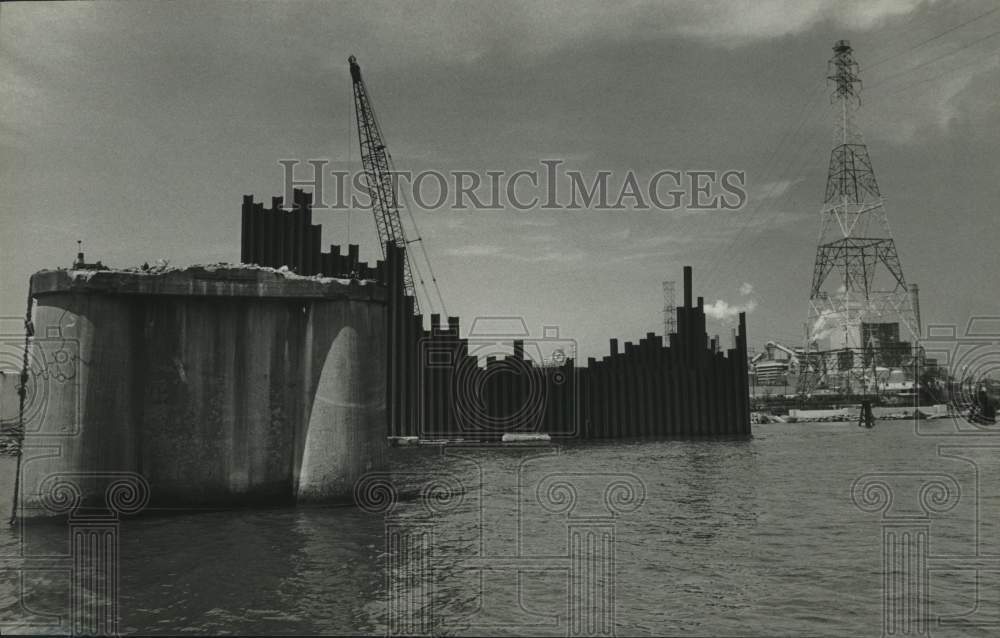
pixel 861 315
pixel 669 310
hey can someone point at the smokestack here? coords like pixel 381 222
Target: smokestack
pixel 687 287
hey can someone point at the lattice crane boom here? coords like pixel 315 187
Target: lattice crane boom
pixel 377 165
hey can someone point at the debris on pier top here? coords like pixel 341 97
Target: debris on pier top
pixel 222 279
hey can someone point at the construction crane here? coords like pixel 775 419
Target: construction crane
pixel 379 174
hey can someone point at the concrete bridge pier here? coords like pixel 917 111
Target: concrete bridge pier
pixel 348 407
pixel 210 387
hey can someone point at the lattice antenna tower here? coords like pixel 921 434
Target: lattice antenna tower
pixel 857 276
pixel 669 310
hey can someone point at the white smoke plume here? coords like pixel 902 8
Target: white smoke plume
pixel 723 311
pixel 824 326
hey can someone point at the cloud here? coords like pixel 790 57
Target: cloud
pixel 659 240
pixel 640 256
pixel 533 221
pixel 543 238
pixel 552 256
pixel 474 250
pixel 468 32
pixel 718 22
pixel 775 189
pixel 533 28
pixel 907 103
pixel 723 311
pixel 489 250
pixel 746 288
pixel 730 24
pixel 455 223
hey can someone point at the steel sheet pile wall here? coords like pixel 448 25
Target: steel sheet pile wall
pixel 436 388
pixel 276 237
pixel 686 389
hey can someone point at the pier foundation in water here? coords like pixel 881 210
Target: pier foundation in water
pixel 204 386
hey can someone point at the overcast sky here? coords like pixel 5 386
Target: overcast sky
pixel 138 126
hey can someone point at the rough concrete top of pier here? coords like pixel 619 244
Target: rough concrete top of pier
pixel 216 280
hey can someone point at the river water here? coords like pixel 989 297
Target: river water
pixel 758 537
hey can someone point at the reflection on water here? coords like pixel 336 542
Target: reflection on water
pixel 756 537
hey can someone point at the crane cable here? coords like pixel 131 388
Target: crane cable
pixel 350 161
pixel 423 249
pixel 413 222
pixel 414 266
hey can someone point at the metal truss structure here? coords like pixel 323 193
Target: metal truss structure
pixel 379 175
pixel 858 289
pixel 669 310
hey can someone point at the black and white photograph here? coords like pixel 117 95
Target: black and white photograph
pixel 500 318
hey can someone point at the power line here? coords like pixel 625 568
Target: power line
pixel 795 159
pixel 769 166
pixel 786 136
pixel 907 87
pixel 933 38
pixel 933 60
pixel 782 141
pixel 805 113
